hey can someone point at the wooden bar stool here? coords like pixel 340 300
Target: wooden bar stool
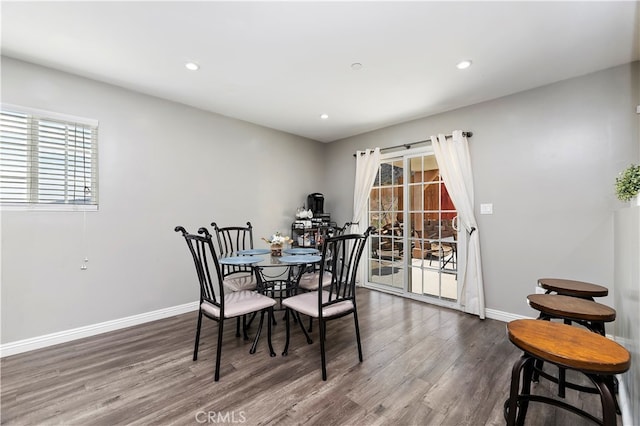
pixel 579 289
pixel 597 357
pixel 587 313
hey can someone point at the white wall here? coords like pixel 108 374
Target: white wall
pixel 627 280
pixel 547 159
pixel 161 164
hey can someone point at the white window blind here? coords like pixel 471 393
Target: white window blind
pixel 46 160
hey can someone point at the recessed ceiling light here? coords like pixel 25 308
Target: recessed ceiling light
pixel 192 66
pixel 356 66
pixel 324 116
pixel 462 65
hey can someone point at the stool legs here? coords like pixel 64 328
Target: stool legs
pixel 562 382
pixel 539 363
pixel 595 326
pixel 516 406
pixel 605 386
pixel 513 415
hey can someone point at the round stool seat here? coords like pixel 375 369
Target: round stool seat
pixel 572 308
pixel 597 357
pixel 573 288
pixel 568 346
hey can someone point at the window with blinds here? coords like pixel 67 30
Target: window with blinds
pixel 47 160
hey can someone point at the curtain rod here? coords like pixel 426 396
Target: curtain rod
pixel 408 145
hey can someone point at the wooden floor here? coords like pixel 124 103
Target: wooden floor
pixel 423 365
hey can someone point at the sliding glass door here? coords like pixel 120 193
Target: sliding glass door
pixel 414 250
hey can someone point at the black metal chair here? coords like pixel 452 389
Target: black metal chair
pixel 214 303
pixel 341 255
pixel 236 277
pixel 310 280
pixel 230 240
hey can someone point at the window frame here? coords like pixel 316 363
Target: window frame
pixel 31 161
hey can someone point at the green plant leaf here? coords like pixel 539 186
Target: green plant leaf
pixel 628 183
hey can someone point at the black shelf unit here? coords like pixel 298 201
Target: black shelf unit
pixel 310 236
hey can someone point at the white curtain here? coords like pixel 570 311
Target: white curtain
pixel 454 163
pixel 367 163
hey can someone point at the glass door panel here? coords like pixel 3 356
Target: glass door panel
pixel 386 213
pixel 416 236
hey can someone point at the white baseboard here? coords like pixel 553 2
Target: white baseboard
pixel 624 402
pixel 20 346
pixel 503 316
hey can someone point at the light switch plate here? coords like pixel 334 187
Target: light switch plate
pixel 486 208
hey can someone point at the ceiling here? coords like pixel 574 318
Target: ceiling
pixel 283 64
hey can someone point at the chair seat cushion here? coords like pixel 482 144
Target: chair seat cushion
pixel 240 281
pixel 307 304
pixel 309 282
pixel 239 303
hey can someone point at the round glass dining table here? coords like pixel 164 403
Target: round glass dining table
pixel 278 276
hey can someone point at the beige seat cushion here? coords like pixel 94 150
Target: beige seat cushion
pixel 240 281
pixel 239 303
pixel 307 304
pixel 309 282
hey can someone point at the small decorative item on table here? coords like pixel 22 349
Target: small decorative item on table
pixel 277 241
pixel 276 250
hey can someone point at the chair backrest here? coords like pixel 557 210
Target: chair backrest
pixel 345 227
pixel 230 240
pixel 341 256
pixel 335 231
pixel 205 259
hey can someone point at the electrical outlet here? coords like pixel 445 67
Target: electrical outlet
pixel 486 208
